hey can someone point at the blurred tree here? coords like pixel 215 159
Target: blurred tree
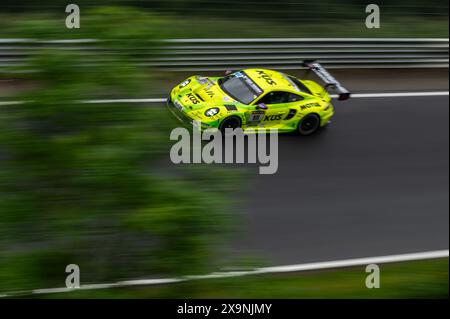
pixel 85 183
pixel 267 9
pixel 236 18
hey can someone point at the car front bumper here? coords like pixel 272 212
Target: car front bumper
pixel 179 114
pixel 186 120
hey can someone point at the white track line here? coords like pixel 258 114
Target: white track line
pixel 246 40
pixel 162 100
pixel 155 100
pixel 11 103
pixel 399 94
pixel 257 271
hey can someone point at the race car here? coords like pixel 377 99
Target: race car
pixel 257 100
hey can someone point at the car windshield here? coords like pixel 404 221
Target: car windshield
pixel 240 87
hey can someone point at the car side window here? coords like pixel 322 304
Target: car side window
pixel 294 98
pixel 278 97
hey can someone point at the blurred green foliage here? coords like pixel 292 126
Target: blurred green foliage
pixel 89 184
pixel 231 18
pixel 129 25
pixel 272 9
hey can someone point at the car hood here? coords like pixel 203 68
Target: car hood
pixel 198 92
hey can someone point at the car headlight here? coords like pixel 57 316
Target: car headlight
pixel 212 111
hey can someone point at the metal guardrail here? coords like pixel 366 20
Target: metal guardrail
pixel 280 53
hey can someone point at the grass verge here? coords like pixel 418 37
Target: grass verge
pixel 416 279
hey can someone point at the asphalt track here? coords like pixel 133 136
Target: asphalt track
pixel 376 182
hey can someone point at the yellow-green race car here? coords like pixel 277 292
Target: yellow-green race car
pixel 256 100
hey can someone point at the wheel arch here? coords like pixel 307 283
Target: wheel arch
pixel 238 116
pixel 309 114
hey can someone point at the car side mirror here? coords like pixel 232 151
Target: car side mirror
pixel 261 106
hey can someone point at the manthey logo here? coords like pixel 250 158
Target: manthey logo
pixel 233 147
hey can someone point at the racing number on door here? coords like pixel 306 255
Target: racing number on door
pixel 255 117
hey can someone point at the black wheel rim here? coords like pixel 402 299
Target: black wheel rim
pixel 309 124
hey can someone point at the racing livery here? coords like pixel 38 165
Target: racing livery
pixel 256 99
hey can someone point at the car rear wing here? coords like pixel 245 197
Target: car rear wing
pixel 330 81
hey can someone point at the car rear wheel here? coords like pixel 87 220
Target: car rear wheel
pixel 309 124
pixel 232 122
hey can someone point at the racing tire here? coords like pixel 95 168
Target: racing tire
pixel 232 122
pixel 309 124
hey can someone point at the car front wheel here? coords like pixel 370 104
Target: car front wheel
pixel 232 122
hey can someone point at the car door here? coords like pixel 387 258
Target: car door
pixel 278 105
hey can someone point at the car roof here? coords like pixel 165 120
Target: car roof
pixel 269 80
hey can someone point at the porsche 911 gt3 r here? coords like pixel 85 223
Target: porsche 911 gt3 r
pixel 256 99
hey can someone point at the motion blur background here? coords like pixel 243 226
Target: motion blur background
pixel 90 183
pixel 222 18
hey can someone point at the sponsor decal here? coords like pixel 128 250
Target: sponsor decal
pixel 184 83
pixel 178 105
pixel 275 117
pixel 193 99
pixel 202 80
pixel 212 111
pixel 266 77
pixel 209 92
pixel 309 105
pixel 255 117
